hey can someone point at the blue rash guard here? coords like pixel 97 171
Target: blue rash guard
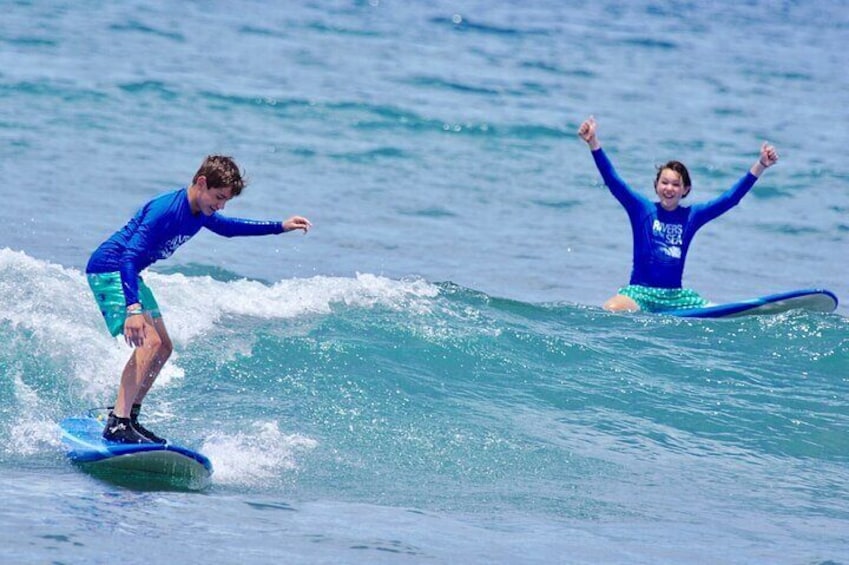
pixel 662 238
pixel 157 230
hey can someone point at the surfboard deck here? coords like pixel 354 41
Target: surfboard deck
pixel 168 464
pixel 811 299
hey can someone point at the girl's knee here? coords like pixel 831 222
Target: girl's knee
pixel 621 303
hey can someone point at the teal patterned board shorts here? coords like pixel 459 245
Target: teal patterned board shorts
pixel 651 299
pixel 109 294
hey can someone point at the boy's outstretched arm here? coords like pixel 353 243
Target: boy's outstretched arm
pixel 587 133
pixel 297 223
pixel 768 158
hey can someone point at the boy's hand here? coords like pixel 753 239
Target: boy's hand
pixel 134 330
pixel 297 223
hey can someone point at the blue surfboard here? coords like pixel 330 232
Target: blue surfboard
pixel 167 463
pixel 811 299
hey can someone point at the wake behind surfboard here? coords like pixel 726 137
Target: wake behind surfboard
pixel 142 464
pixel 811 299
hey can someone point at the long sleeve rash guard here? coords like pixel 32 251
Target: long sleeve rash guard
pixel 157 230
pixel 662 238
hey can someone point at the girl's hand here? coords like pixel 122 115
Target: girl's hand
pixel 297 223
pixel 587 133
pixel 769 156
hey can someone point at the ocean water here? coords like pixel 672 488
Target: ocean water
pixel 427 376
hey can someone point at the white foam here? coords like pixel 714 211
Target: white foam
pixel 192 305
pixel 28 436
pixel 207 298
pixel 31 437
pixel 55 304
pixel 256 457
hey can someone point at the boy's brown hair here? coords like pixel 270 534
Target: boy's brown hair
pixel 221 171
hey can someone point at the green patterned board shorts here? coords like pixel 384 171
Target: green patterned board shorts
pixel 109 295
pixel 651 299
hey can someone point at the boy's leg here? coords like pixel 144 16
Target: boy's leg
pixel 163 352
pixel 160 356
pixel 143 367
pixel 144 364
pixel 138 376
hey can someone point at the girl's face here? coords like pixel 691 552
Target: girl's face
pixel 670 189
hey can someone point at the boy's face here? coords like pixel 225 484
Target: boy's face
pixel 211 200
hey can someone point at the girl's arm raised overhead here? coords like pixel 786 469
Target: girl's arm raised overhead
pixel 630 199
pixel 705 212
pixel 768 158
pixel 587 133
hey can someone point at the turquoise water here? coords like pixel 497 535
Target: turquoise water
pixel 426 377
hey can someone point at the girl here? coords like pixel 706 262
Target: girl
pixel 663 230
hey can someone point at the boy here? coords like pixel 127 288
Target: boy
pixel 663 230
pixel 127 304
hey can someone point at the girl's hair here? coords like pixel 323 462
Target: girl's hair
pixel 221 171
pixel 679 168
